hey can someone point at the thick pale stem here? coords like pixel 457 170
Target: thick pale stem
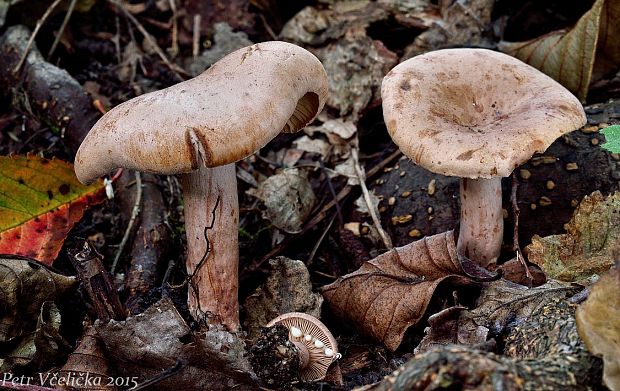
pixel 482 223
pixel 212 210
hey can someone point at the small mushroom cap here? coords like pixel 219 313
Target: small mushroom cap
pixel 317 357
pixel 474 113
pixel 223 115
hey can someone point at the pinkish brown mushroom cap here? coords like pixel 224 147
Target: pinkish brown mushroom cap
pixel 316 344
pixel 475 113
pixel 225 114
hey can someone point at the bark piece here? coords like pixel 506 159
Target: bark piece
pixel 97 283
pixel 355 66
pixel 288 198
pixel 463 23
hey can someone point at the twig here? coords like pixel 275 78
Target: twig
pixel 331 191
pixel 318 242
pixel 196 36
pixel 175 69
pixel 268 27
pixel 34 34
pixel 117 40
pixel 387 242
pixel 134 214
pixel 515 233
pixel 97 283
pixel 62 28
pixel 174 46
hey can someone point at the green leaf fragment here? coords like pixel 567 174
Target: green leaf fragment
pixel 612 138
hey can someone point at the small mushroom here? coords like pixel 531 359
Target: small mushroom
pixel 475 114
pixel 316 344
pixel 199 128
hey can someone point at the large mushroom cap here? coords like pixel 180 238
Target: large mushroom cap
pixel 227 113
pixel 474 113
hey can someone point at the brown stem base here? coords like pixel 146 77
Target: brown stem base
pixel 482 224
pixel 212 221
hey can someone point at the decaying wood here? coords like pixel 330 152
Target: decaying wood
pixel 151 242
pixel 51 93
pixel 97 283
pixel 543 353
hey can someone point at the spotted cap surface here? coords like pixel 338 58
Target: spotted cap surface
pixel 223 115
pixel 475 113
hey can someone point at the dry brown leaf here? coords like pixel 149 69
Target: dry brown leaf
pixel 88 361
pixel 445 328
pixel 586 248
pixel 146 344
pixel 288 199
pixel 25 286
pixel 387 295
pixel 598 323
pixel 315 27
pixel 577 56
pixel 40 348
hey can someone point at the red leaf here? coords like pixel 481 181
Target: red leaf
pixel 40 201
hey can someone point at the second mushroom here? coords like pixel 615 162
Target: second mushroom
pixel 475 114
pixel 199 128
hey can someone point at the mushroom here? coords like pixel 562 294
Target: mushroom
pixel 315 343
pixel 475 114
pixel 199 128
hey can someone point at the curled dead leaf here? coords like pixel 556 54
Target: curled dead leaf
pixel 391 293
pixel 145 344
pixel 288 198
pixel 577 56
pixel 24 286
pixel 88 360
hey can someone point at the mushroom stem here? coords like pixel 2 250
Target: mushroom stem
pixel 304 354
pixel 482 224
pixel 212 224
